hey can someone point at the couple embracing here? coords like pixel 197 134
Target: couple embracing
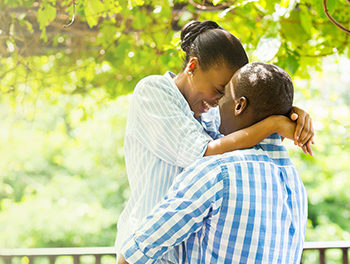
pixel 210 180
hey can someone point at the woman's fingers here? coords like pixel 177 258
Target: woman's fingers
pixel 309 148
pixel 299 128
pixel 304 148
pixel 304 131
pixel 307 132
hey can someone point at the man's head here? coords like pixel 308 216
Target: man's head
pixel 256 90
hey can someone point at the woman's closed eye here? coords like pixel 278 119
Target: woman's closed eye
pixel 219 91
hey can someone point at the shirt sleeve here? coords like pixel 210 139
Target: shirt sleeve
pixel 164 124
pixel 211 123
pixel 195 194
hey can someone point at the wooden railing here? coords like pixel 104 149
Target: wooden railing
pixel 8 255
pixel 321 247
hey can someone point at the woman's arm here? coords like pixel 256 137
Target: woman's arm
pixel 246 137
pixel 301 132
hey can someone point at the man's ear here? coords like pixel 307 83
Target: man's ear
pixel 241 105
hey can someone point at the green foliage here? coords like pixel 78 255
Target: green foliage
pixel 326 174
pixel 144 35
pixel 63 176
pixel 91 9
pixel 46 14
pixel 64 98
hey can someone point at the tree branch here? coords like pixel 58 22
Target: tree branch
pixel 325 8
pixel 73 15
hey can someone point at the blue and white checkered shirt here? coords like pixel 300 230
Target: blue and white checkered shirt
pixel 245 206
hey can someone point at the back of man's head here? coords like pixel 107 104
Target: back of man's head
pixel 257 90
pixel 268 89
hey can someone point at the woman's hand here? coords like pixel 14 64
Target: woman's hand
pixel 304 131
pixel 287 128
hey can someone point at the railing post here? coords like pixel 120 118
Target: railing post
pixel 8 260
pixel 52 259
pixel 345 256
pixel 31 259
pixel 322 256
pixel 97 259
pixel 76 259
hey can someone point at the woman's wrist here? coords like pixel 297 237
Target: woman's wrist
pixel 281 125
pixel 273 124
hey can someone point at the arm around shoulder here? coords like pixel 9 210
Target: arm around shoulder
pixel 244 138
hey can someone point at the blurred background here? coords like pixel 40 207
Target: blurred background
pixel 68 68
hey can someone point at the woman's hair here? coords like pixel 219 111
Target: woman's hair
pixel 212 45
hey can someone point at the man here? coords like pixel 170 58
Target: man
pixel 246 206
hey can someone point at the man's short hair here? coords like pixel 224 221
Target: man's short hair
pixel 268 89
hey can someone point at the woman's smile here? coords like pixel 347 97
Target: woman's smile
pixel 205 106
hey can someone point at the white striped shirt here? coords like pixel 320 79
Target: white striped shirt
pixel 162 137
pixel 246 206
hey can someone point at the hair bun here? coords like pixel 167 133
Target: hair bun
pixel 193 29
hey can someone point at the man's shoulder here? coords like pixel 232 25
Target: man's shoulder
pixel 254 154
pixel 212 166
pixel 268 151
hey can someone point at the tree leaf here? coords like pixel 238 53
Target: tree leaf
pixel 215 2
pixel 293 30
pixel 331 4
pixel 292 64
pixel 46 14
pixel 305 19
pixel 93 10
pixel 284 3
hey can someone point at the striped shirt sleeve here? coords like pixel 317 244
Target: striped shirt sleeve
pixel 195 194
pixel 211 122
pixel 164 126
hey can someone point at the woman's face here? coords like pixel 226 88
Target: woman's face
pixel 207 87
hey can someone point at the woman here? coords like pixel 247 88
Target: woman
pixel 163 133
